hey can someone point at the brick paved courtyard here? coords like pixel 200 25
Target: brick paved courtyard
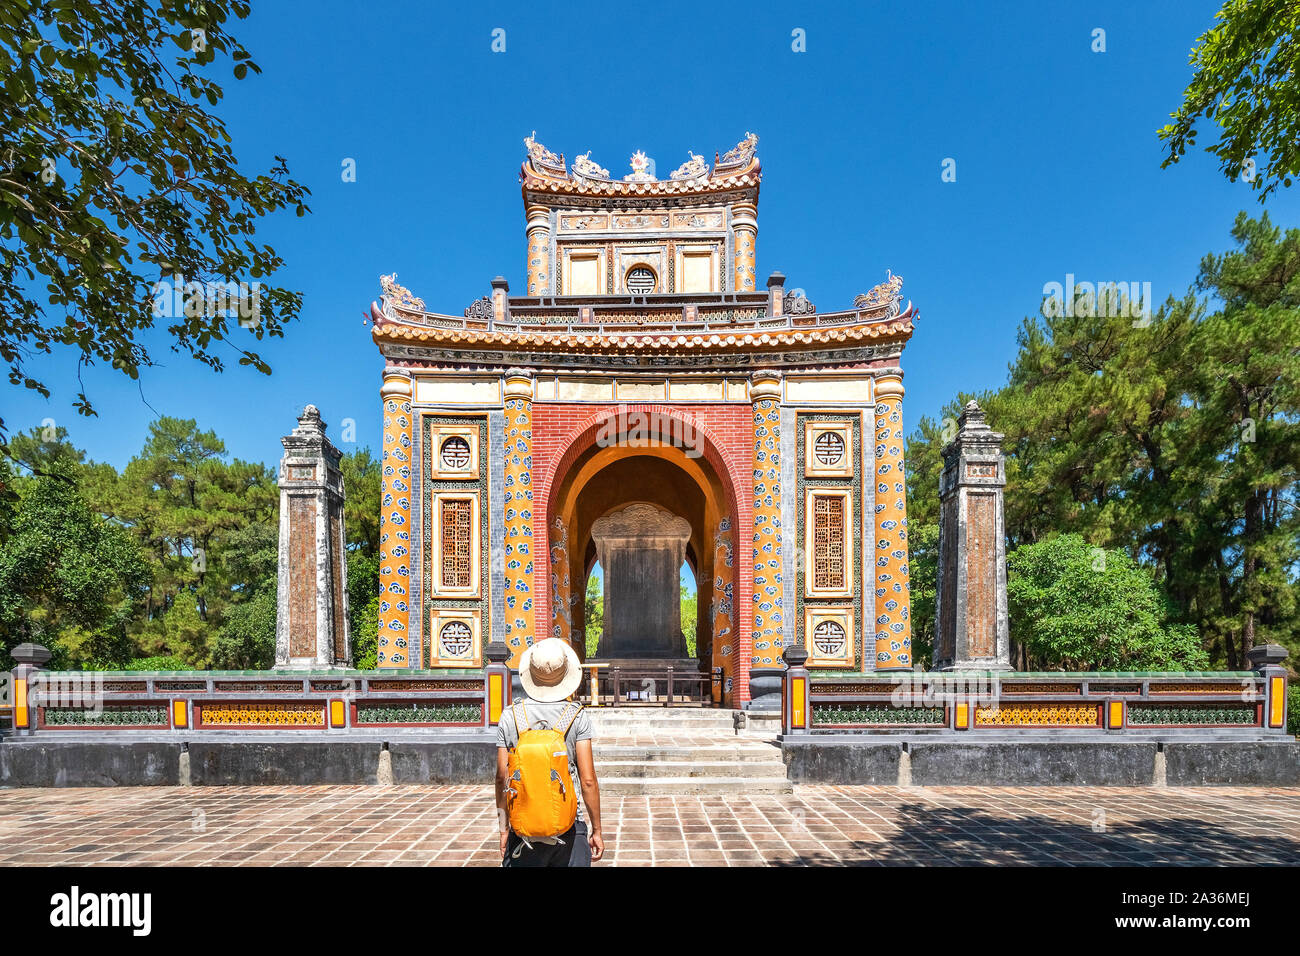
pixel 342 826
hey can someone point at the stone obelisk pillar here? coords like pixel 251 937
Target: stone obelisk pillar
pixel 971 602
pixel 311 628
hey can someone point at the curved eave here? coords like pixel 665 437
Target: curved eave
pixel 899 329
pixel 537 181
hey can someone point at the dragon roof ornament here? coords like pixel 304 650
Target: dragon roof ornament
pixel 739 155
pixel 693 168
pixel 891 290
pixel 398 296
pixel 584 168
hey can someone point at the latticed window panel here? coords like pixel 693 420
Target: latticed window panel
pixel 829 557
pixel 456 523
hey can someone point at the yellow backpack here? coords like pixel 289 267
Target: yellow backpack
pixel 541 794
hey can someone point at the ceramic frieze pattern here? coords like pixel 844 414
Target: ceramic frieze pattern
pixel 768 589
pixel 892 574
pixel 724 651
pixel 395 536
pixel 561 612
pixel 518 527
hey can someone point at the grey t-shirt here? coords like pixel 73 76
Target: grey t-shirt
pixel 541 714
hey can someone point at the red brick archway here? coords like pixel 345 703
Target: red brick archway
pixel 564 434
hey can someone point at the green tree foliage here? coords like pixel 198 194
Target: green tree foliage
pixel 1081 608
pixel 207 531
pixel 365 636
pixel 69 579
pixel 593 614
pixel 690 617
pixel 114 175
pixel 246 639
pixel 1173 437
pixel 210 527
pixel 363 483
pixel 1247 82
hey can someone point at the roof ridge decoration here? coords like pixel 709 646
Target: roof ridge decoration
pixel 739 155
pixel 693 168
pixel 542 157
pixel 891 290
pixel 584 168
pixel 398 296
pixel 737 168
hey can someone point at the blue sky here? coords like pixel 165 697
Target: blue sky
pixel 1057 160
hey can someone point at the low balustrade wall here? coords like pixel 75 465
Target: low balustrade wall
pixel 1048 704
pixel 51 702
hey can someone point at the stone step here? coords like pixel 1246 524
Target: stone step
pixel 621 753
pixel 656 786
pixel 671 713
pixel 718 769
pixel 665 723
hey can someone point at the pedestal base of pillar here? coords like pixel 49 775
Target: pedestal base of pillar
pixel 765 690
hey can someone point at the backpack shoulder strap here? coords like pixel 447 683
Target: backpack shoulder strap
pixel 520 727
pixel 576 710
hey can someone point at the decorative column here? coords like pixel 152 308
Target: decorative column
pixel 500 307
pixel 765 393
pixel 30 660
pixel 744 224
pixel 971 598
pixel 539 250
pixel 796 692
pixel 892 590
pixel 521 628
pixel 395 522
pixel 1265 660
pixel 311 625
pixel 776 295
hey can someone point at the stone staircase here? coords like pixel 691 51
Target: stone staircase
pixel 655 750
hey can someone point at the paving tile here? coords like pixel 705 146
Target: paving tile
pixel 822 825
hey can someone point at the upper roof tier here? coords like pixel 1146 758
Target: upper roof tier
pixel 544 171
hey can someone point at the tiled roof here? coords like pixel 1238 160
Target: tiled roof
pixel 899 328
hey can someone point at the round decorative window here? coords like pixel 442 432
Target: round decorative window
pixel 455 453
pixel 640 280
pixel 455 639
pixel 829 448
pixel 828 639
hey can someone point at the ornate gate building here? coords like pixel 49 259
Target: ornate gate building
pixel 646 407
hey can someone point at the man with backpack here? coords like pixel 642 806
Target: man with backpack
pixel 543 757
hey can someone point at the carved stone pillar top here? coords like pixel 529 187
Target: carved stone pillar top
pixel 644 525
pixel 974 457
pixel 763 384
pixel 518 384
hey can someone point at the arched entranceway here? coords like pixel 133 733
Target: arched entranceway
pixel 646 497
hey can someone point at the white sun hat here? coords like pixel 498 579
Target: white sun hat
pixel 550 670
